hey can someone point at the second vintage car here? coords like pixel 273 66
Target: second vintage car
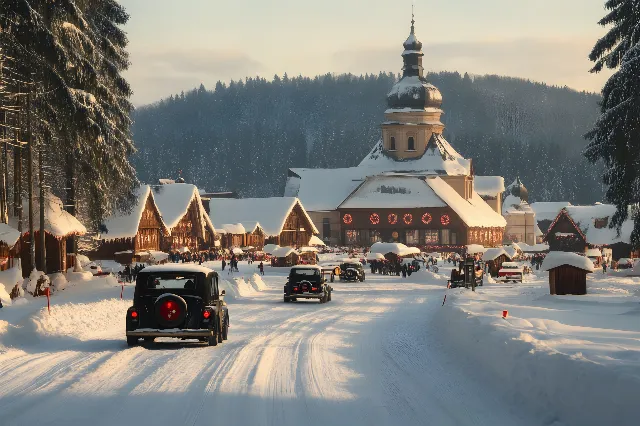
pixel 307 282
pixel 510 271
pixel 352 271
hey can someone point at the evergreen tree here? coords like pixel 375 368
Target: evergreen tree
pixel 616 139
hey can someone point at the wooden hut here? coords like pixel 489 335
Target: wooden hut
pixel 9 246
pixel 184 215
pixel 285 256
pixel 494 258
pixel 59 225
pixel 283 220
pixel 254 235
pixel 123 236
pixel 231 234
pixel 567 272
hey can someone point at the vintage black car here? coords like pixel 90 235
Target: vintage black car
pixel 307 282
pixel 352 271
pixel 178 300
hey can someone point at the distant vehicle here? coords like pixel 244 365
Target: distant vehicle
pixel 307 282
pixel 414 265
pixel 178 300
pixel 510 271
pixel 352 271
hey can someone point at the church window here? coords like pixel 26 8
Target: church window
pixel 411 144
pixel 392 144
pixel 412 236
pixel 326 228
pixel 352 236
pixel 374 236
pixel 446 236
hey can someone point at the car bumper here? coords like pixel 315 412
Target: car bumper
pixel 516 278
pixel 306 295
pixel 174 332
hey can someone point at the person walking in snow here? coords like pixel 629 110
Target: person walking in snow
pixel 404 271
pixel 604 267
pixel 261 268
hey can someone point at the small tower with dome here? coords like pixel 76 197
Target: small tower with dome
pixel 413 114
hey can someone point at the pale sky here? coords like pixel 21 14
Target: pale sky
pixel 177 44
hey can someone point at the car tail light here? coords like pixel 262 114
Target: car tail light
pixel 295 289
pixel 314 288
pixel 206 314
pixel 134 314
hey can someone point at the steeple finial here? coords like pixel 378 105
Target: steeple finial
pixel 413 21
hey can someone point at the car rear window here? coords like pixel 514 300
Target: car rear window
pixel 510 267
pixel 172 281
pixel 306 272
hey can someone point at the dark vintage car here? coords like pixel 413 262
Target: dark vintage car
pixel 178 300
pixel 352 271
pixel 307 282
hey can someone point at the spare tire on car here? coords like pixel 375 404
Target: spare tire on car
pixel 170 310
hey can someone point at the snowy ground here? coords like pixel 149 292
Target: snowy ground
pixel 383 352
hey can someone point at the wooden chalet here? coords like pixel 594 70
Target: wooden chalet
pixel 494 258
pixel 434 213
pixel 124 236
pixel 245 234
pixel 58 226
pixel 185 217
pixel 282 220
pixel 9 246
pixel 580 228
pixel 567 272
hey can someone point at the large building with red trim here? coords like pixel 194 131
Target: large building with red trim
pixel 413 187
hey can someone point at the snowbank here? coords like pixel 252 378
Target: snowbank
pixel 78 276
pixel 257 283
pixel 58 281
pixel 9 279
pixel 4 295
pixel 576 360
pixel 32 286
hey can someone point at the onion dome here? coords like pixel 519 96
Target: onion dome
pixel 413 91
pixel 517 189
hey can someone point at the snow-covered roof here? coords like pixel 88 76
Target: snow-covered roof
pixel 585 216
pixel 177 267
pixel 511 205
pixel 307 250
pixel 237 250
pixel 548 210
pixel 283 251
pixel 9 235
pixel 251 226
pixel 270 212
pixel 375 256
pixel 475 248
pixel 57 221
pixel 393 192
pixel 511 251
pixel 270 248
pixel 488 186
pixel 324 189
pixel 315 241
pixel 122 225
pixel 537 230
pixel 593 252
pixel 559 258
pixel 536 248
pixel 494 253
pixel 232 228
pixel 396 248
pixel 474 212
pixel 173 201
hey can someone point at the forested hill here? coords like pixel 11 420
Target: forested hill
pixel 245 135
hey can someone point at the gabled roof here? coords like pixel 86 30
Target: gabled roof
pixel 57 221
pixel 122 225
pixel 494 253
pixel 546 210
pixel 585 216
pixel 9 235
pixel 393 191
pixel 173 201
pixel 556 259
pixel 272 213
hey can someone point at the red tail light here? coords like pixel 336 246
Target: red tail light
pixel 169 305
pixel 314 288
pixel 206 314
pixel 295 289
pixel 134 314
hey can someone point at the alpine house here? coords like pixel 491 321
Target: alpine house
pixel 413 187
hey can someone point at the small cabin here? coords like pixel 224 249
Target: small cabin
pixel 284 256
pixel 58 226
pixel 124 236
pixel 9 247
pixel 494 258
pixel 567 273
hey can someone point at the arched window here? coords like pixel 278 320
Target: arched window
pixel 411 144
pixel 392 144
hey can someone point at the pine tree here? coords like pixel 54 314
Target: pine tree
pixel 616 140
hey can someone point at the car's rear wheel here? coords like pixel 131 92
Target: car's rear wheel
pixel 286 299
pixel 213 340
pixel 329 297
pixel 132 341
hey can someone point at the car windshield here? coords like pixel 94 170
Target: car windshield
pixel 349 265
pixel 171 281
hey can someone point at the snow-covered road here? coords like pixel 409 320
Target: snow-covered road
pixel 369 357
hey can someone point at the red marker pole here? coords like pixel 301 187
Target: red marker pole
pixel 445 299
pixel 48 300
pixel 121 289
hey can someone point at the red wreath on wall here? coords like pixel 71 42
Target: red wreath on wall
pixel 393 218
pixel 408 218
pixel 374 218
pixel 445 219
pixel 426 218
pixel 347 218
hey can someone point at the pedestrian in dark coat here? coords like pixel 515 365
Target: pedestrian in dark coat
pixel 404 271
pixel 224 264
pixel 261 268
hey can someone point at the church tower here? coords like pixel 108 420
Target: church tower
pixel 413 117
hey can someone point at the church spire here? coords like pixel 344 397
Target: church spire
pixel 412 54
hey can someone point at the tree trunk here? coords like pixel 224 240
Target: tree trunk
pixel 17 175
pixel 3 163
pixel 30 142
pixel 70 202
pixel 43 249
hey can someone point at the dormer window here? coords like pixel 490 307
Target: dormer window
pixel 392 143
pixel 411 144
pixel 602 222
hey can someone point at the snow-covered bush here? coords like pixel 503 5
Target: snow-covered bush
pixel 58 281
pixel 37 283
